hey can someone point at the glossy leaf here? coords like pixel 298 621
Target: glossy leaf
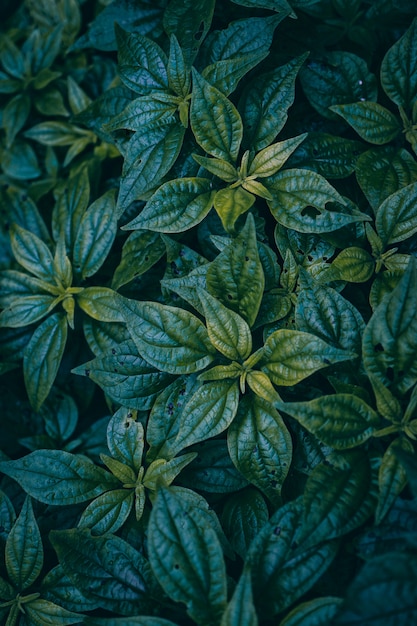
pixel 230 203
pixel 141 250
pixel 187 558
pixel 240 610
pixel 244 514
pixel 215 121
pixel 341 420
pixel 236 276
pixel 269 160
pixel 44 613
pixel 370 120
pixel 398 69
pixel 143 111
pixel 189 21
pixel 396 218
pixel 142 63
pixel 392 477
pixel 389 348
pixel 169 338
pixel 24 551
pixel 108 512
pixel 27 310
pixel 32 253
pixel 125 438
pixel 100 303
pixel 289 356
pixel 352 264
pixel 42 358
pixel 260 446
pixel 176 206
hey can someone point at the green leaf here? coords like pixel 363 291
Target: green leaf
pixel 260 446
pixel 24 550
pixel 244 513
pixel 71 205
pixel 108 512
pixel 215 121
pixel 236 276
pixel 143 111
pixel 325 313
pixel 398 69
pixel 230 203
pixel 125 438
pixel 179 77
pixel 142 63
pixel 339 496
pixel 382 171
pixel 56 133
pixel 352 264
pixel 225 74
pixel 289 356
pixel 176 206
pixel 391 576
pixel 150 155
pixel 44 613
pixel 299 199
pixel 32 253
pixel 319 612
pixel 389 345
pixel 128 621
pixel 141 250
pixel 58 477
pixel 372 121
pixel 100 303
pixel 27 310
pixel 240 611
pixel 269 160
pixel 20 161
pixel 228 332
pixel 282 568
pixel 387 404
pixel 106 569
pixel 392 477
pixel 341 420
pixel 125 377
pixel 15 115
pixel 189 21
pixel 265 102
pixel 186 557
pixel 42 358
pixel 338 78
pixel 396 218
pixel 169 338
pixel 95 235
pixel 208 412
pixel 219 167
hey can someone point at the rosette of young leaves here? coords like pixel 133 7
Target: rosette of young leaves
pixel 24 558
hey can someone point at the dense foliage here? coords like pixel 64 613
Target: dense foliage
pixel 209 312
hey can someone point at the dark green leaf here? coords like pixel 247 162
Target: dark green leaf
pixel 24 551
pixel 58 477
pixel 143 111
pixel 32 253
pixel 108 512
pixel 44 613
pixel 20 161
pixel 398 69
pixel 260 446
pixel 125 438
pixel 100 303
pixel 240 611
pixel 187 558
pixel 396 218
pixel 319 612
pixel 71 205
pixel 42 357
pixel 142 63
pixel 141 250
pixel 26 310
pixel 243 516
pixel 371 120
pixel 179 76
pixel 392 476
pixel 189 21
pixel 340 421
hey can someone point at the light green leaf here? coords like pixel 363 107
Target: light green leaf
pixel 58 477
pixel 55 133
pixel 186 557
pixel 339 496
pixel 396 218
pixel 241 611
pixel 341 420
pixel 125 377
pixel 142 63
pixel 95 235
pixel 44 613
pixel 141 250
pixel 265 102
pixel 176 206
pixel 260 446
pixel 389 339
pixel 392 477
pixel 125 438
pixel 189 21
pixel 32 253
pixel 352 264
pixel 26 310
pixel 227 330
pixel 42 358
pixel 215 121
pixel 299 202
pixel 382 171
pixel 236 276
pixel 398 69
pixel 289 356
pixel 24 551
pixel 162 473
pixel 150 155
pixel 372 121
pixel 169 338
pixel 269 160
pixel 100 303
pixel 219 167
pixel 230 203
pixel 108 512
pixel 319 612
pixel 208 412
pixel 108 570
pixel 244 513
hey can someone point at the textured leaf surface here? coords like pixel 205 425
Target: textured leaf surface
pixel 24 551
pixel 396 218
